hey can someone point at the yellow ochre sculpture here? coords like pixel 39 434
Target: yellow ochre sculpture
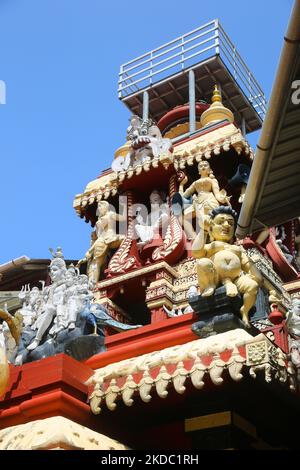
pixel 106 239
pixel 220 262
pixel 209 196
pixel 15 327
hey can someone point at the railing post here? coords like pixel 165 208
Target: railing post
pixel 264 104
pixel 151 67
pixel 145 105
pixel 217 41
pixel 120 83
pixel 250 90
pixel 234 63
pixel 182 53
pixel 192 101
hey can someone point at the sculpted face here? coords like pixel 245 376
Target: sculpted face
pixel 102 208
pixel 204 168
pixel 222 227
pixel 34 295
pixel 56 273
pixel 155 198
pixel 70 278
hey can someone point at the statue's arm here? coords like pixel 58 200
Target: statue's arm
pixel 87 256
pixel 190 190
pixel 199 249
pixel 220 195
pixel 119 217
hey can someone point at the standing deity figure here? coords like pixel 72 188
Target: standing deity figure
pixel 220 262
pixel 199 199
pixel 157 220
pixel 106 239
pixel 205 190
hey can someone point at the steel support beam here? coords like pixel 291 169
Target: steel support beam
pixel 192 100
pixel 145 105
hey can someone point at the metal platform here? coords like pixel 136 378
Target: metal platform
pixel 159 79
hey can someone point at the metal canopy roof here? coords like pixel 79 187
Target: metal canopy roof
pixel 273 193
pixel 23 270
pixel 280 199
pixel 163 73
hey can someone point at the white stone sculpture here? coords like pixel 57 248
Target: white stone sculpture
pixel 146 142
pixel 58 314
pixel 32 302
pixel 57 305
pixel 157 220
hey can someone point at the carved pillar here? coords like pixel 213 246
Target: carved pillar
pixel 160 293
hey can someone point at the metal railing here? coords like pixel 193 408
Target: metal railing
pixel 186 52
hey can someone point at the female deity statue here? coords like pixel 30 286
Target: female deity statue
pixel 205 191
pixel 106 239
pixel 199 199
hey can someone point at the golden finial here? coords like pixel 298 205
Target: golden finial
pixel 216 111
pixel 216 97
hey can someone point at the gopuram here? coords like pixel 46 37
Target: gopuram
pixel 168 332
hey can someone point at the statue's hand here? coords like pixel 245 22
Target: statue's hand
pixel 182 178
pixel 81 261
pixel 223 198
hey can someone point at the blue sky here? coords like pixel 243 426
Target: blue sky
pixel 62 119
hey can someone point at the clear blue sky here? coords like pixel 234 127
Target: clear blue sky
pixel 62 120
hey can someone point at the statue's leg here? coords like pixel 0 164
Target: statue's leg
pixel 185 219
pixel 98 267
pixel 248 287
pixel 99 260
pixel 228 267
pixel 72 313
pixel 231 289
pixel 44 324
pixel 207 277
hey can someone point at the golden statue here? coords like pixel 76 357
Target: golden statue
pixel 15 327
pixel 4 368
pixel 220 262
pixel 103 239
pixel 14 323
pixel 209 196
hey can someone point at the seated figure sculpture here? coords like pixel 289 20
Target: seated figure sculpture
pixel 220 262
pixel 157 220
pixel 54 304
pixel 106 239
